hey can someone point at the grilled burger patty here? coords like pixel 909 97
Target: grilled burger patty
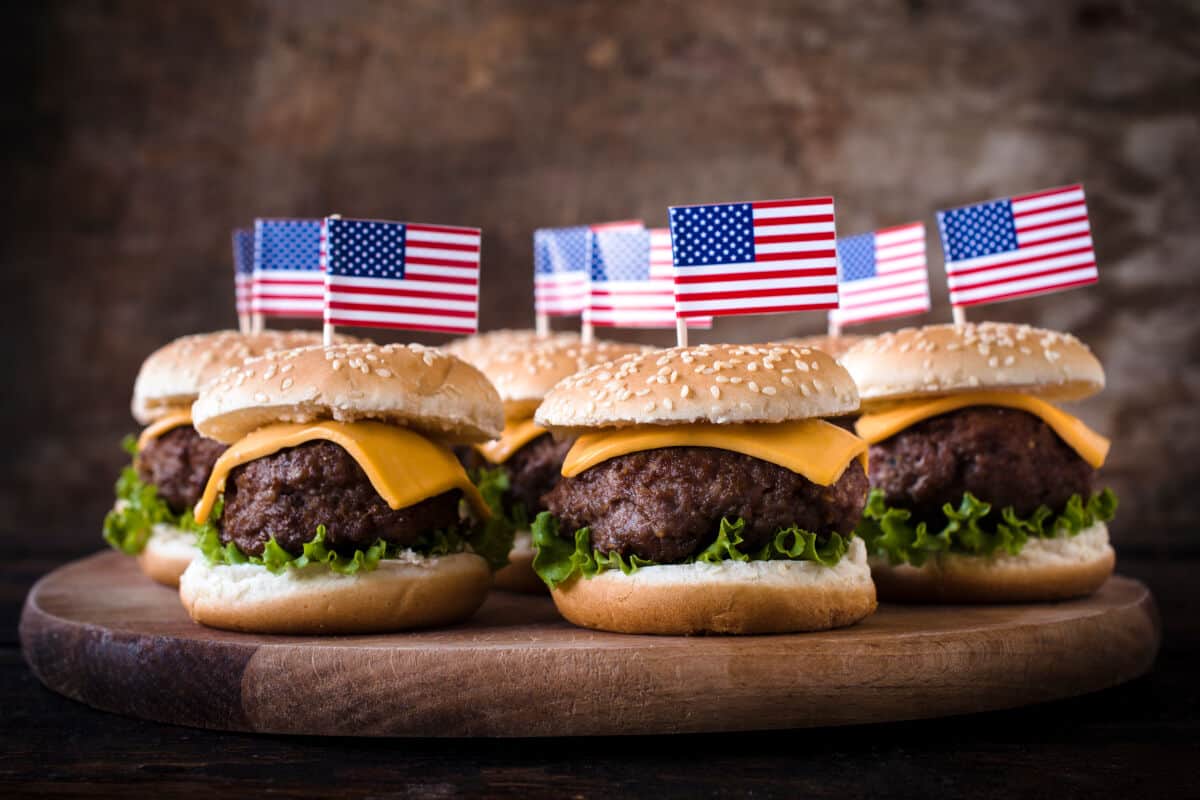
pixel 178 464
pixel 286 495
pixel 1002 456
pixel 532 470
pixel 666 505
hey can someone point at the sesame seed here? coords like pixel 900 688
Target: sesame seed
pixel 715 392
pixel 752 386
pixel 336 364
pixel 383 373
pixel 260 397
pixel 667 404
pixel 735 379
pixel 787 381
pixel 685 390
pixel 768 390
pixel 752 366
pixel 287 384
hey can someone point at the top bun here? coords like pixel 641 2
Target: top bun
pixel 835 346
pixel 945 359
pixel 474 349
pixel 173 375
pixel 418 387
pixel 721 383
pixel 523 375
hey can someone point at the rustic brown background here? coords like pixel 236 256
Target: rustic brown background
pixel 139 134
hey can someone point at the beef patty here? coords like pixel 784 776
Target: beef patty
pixel 667 504
pixel 178 464
pixel 289 493
pixel 1002 456
pixel 532 470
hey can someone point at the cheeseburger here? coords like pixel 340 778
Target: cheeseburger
pixel 525 462
pixel 152 517
pixel 339 506
pixel 982 489
pixel 704 493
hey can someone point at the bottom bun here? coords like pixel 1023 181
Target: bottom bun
pixel 167 554
pixel 519 576
pixel 1045 569
pixel 401 593
pixel 729 597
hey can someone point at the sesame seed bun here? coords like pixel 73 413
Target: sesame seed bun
pixel 474 349
pixel 400 594
pixel 167 553
pixel 835 346
pixel 418 387
pixel 173 375
pixel 730 597
pixel 723 383
pixel 524 375
pixel 944 359
pixel 1045 569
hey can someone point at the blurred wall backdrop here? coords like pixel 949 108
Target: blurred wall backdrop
pixel 140 133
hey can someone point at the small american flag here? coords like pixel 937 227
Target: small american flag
pixel 243 269
pixel 883 275
pixel 288 281
pixel 560 270
pixel 754 258
pixel 1018 246
pixel 402 275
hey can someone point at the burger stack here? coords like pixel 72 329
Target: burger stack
pixel 363 488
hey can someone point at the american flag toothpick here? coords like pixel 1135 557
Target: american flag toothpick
pixel 630 286
pixel 243 276
pixel 402 275
pixel 288 281
pixel 882 274
pixel 764 257
pixel 1018 246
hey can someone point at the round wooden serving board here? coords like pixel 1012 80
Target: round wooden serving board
pixel 98 631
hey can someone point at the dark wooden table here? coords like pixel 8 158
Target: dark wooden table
pixel 1137 740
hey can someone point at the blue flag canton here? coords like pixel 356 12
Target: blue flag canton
pixel 856 257
pixel 287 244
pixel 366 248
pixel 620 255
pixel 243 251
pixel 982 230
pixel 564 250
pixel 717 234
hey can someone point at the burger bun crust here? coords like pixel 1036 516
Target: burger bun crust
pixel 519 576
pixel 167 553
pixel 1044 570
pixel 987 356
pixel 719 383
pixel 728 598
pixel 413 386
pixel 399 595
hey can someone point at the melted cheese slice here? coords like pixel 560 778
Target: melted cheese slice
pixel 517 434
pixel 812 447
pixel 176 419
pixel 403 466
pixel 1091 446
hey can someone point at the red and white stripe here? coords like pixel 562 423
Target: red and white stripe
pixel 560 295
pixel 642 304
pixel 440 290
pixel 900 287
pixel 794 267
pixel 1054 252
pixel 243 292
pixel 288 293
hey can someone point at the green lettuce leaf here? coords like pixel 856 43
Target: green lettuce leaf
pixel 127 527
pixel 557 560
pixel 972 528
pixel 492 541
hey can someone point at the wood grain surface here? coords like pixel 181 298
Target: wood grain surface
pixel 96 630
